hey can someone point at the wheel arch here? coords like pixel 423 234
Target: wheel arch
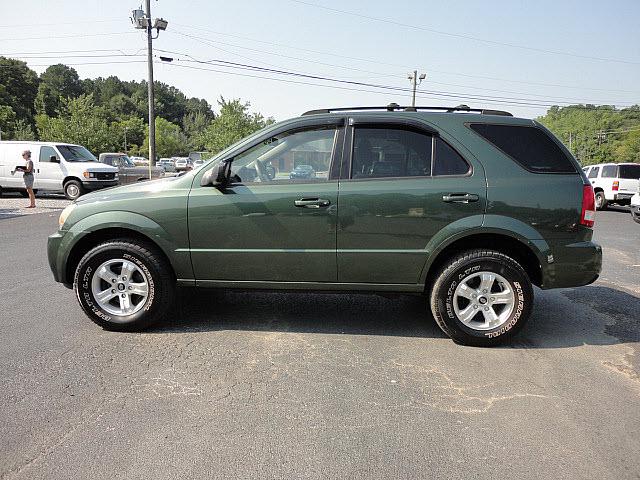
pixel 96 237
pixel 69 178
pixel 523 251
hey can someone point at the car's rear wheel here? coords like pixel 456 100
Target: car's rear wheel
pixel 124 285
pixel 481 298
pixel 73 189
pixel 601 201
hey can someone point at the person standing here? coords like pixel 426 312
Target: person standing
pixel 27 176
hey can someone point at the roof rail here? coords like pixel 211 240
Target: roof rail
pixel 394 106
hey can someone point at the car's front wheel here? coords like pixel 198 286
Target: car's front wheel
pixel 73 189
pixel 124 285
pixel 481 298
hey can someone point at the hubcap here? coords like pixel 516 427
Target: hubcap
pixel 72 190
pixel 120 287
pixel 483 301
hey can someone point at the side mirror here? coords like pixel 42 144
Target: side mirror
pixel 218 175
pixel 54 159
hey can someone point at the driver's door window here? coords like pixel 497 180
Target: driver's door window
pixel 302 156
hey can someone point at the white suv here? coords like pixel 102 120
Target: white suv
pixel 613 182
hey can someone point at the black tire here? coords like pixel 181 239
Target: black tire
pixel 601 201
pixel 161 284
pixel 73 189
pixel 469 264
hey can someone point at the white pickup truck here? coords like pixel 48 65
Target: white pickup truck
pixel 613 182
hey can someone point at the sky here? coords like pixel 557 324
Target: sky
pixel 519 56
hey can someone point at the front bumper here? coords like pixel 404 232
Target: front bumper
pixel 53 247
pixel 635 213
pixel 97 184
pixel 574 265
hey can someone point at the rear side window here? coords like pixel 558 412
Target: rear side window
pixel 390 152
pixel 594 172
pixel 630 171
pixel 447 161
pixel 531 147
pixel 609 171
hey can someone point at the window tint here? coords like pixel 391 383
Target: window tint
pixel 76 153
pixel 46 153
pixel 629 171
pixel 594 172
pixel 531 147
pixel 297 157
pixel 390 152
pixel 609 171
pixel 448 161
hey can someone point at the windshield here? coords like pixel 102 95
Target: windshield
pixel 76 153
pixel 630 171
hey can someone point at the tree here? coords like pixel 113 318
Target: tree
pixel 170 141
pixel 56 82
pixel 135 132
pixel 18 88
pixel 7 121
pixel 23 131
pixel 234 123
pixel 79 121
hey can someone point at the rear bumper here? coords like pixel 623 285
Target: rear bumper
pixel 574 265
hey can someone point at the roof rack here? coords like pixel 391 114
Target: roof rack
pixel 394 106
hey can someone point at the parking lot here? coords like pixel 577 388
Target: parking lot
pixel 279 385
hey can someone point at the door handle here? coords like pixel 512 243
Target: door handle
pixel 460 198
pixel 311 203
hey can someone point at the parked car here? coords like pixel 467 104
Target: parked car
pixel 452 224
pixel 613 182
pixel 127 171
pixel 64 167
pixel 635 206
pixel 303 171
pixel 198 163
pixel 183 164
pixel 168 164
pixel 139 160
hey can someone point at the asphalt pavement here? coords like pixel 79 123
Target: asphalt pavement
pixel 279 385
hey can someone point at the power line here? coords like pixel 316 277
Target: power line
pixel 378 62
pixel 463 36
pixel 19 39
pixel 77 22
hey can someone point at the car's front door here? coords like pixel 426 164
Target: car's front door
pixel 403 185
pixel 266 226
pixel 49 174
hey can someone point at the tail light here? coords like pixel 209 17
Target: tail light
pixel 616 186
pixel 588 214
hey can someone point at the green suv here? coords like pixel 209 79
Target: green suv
pixel 469 208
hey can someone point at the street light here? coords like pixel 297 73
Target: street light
pixel 141 20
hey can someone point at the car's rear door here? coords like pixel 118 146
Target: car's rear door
pixel 264 229
pixel 402 184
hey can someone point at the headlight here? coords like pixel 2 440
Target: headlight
pixel 88 174
pixel 65 213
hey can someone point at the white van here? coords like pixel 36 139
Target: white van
pixel 57 166
pixel 613 182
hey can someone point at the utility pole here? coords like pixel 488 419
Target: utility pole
pixel 125 140
pixel 142 20
pixel 415 81
pixel 570 142
pixel 152 112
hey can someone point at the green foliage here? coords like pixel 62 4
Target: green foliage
pixel 596 134
pixel 7 121
pixel 170 141
pixel 23 131
pixel 234 123
pixel 79 121
pixel 18 88
pixel 56 82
